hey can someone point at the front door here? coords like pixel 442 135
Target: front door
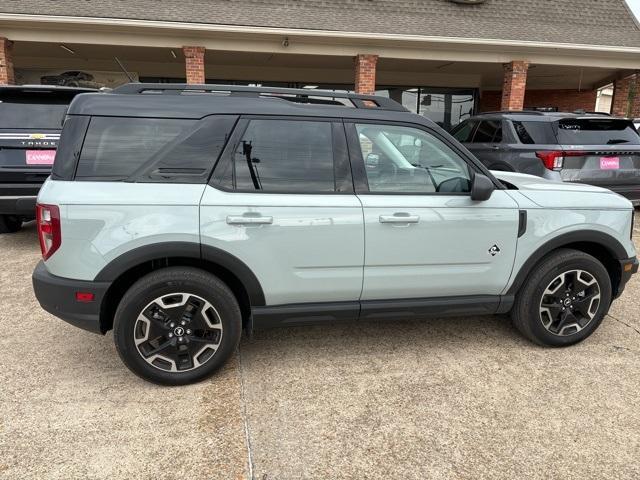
pixel 424 236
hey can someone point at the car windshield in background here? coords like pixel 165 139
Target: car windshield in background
pixel 578 131
pixel 24 114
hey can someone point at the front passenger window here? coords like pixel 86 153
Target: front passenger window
pixel 408 160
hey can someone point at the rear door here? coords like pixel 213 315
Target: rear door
pixel 30 125
pixel 601 151
pixel 281 200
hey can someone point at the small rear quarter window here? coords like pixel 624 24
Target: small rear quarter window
pixel 532 133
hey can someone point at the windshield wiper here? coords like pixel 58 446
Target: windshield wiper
pixel 615 141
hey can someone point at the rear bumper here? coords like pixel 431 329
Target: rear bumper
pixel 58 296
pixel 19 198
pixel 628 267
pixel 23 206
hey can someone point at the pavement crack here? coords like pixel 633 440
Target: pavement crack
pixel 625 324
pixel 245 417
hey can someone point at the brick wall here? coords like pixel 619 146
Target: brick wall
pixel 365 74
pixel 6 62
pixel 626 97
pixel 565 100
pixel 514 85
pixel 194 64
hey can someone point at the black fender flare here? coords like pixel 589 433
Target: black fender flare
pixel 608 242
pixel 157 251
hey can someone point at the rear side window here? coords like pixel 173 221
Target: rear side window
pixel 285 156
pixel 606 131
pixel 151 149
pixel 464 132
pixel 489 131
pixel 532 133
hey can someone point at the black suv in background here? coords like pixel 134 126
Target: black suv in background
pixel 588 148
pixel 31 120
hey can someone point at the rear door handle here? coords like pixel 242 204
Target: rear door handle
pixel 249 220
pixel 399 218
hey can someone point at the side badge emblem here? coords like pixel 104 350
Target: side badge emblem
pixel 493 251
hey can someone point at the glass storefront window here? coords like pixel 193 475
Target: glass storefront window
pixel 446 108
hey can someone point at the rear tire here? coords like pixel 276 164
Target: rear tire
pixel 564 300
pixel 10 223
pixel 177 326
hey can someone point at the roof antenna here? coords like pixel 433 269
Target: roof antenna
pixel 131 79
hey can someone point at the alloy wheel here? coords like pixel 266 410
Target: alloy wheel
pixel 178 332
pixel 570 302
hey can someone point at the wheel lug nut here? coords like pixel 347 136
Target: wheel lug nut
pixel 183 322
pixel 170 335
pixel 188 332
pixel 172 324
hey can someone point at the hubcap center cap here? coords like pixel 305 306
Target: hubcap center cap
pixel 178 331
pixel 567 302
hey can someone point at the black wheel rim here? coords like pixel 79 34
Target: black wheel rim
pixel 178 332
pixel 570 302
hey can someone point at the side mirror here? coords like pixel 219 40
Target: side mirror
pixel 481 188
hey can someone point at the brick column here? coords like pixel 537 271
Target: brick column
pixel 194 64
pixel 7 76
pixel 514 85
pixel 365 74
pixel 620 103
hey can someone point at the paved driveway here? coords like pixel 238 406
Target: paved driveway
pixel 445 398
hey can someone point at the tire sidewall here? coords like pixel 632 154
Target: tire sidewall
pixel 140 295
pixel 545 277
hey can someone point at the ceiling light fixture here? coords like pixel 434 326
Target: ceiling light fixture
pixel 64 47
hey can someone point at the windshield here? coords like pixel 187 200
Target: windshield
pixel 605 131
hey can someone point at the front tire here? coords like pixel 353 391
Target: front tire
pixel 177 326
pixel 10 223
pixel 564 299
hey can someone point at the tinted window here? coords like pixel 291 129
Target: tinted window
pixel 285 156
pixel 29 113
pixel 604 131
pixel 535 132
pixel 489 131
pixel 464 131
pixel 69 147
pixel 409 160
pixel 152 150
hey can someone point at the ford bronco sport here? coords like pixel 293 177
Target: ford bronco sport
pixel 30 123
pixel 177 215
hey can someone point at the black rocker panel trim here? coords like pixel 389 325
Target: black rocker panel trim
pixel 315 313
pixel 158 251
pixel 614 247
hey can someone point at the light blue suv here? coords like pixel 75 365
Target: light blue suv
pixel 178 215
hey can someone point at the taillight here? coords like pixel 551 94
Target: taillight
pixel 48 218
pixel 554 159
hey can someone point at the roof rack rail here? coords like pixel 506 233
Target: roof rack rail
pixel 514 112
pixel 358 101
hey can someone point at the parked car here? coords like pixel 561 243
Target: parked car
pixel 30 123
pixel 572 147
pixel 176 215
pixel 71 79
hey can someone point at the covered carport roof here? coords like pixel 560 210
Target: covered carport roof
pixel 586 22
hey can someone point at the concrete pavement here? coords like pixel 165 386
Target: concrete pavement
pixel 446 398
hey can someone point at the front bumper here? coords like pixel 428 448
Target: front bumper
pixel 58 296
pixel 628 267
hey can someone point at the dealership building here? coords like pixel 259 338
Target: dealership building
pixel 444 59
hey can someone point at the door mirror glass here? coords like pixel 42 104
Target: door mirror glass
pixel 481 188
